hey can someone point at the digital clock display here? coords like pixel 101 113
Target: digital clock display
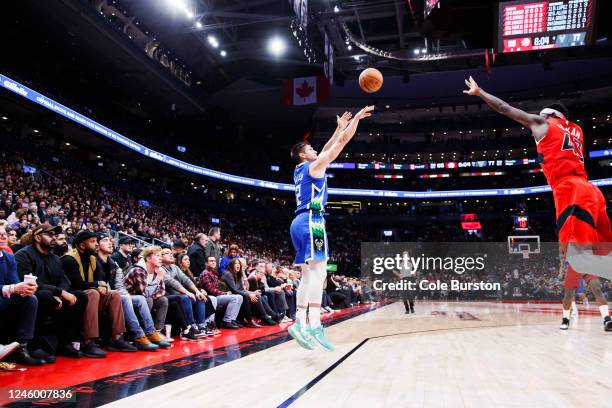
pixel 539 25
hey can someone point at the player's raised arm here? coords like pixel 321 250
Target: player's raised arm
pixel 342 122
pixel 317 168
pixel 536 123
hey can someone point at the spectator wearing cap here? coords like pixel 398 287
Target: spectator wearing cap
pixel 122 255
pixel 17 307
pixel 55 299
pixel 232 252
pixel 81 269
pixel 213 246
pixel 148 339
pixel 197 254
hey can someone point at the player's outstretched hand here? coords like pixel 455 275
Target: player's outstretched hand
pixel 343 120
pixel 474 89
pixel 364 113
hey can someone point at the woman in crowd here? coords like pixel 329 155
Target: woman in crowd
pixel 252 305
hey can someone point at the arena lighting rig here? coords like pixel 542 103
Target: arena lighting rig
pixel 74 116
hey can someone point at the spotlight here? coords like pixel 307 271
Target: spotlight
pixel 336 9
pixel 416 51
pixel 199 25
pixel 277 46
pixel 189 13
pixel 212 40
pixel 424 51
pixel 223 53
pixel 356 57
pixel 350 47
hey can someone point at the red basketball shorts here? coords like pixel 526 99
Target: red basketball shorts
pixel 581 220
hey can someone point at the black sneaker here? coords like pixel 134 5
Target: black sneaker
pixel 68 350
pixel 22 357
pixel 207 328
pixel 230 325
pixel 407 312
pixel 200 334
pixel 43 355
pixel 608 323
pixel 122 346
pixel 92 350
pixel 412 310
pixel 564 324
pixel 189 335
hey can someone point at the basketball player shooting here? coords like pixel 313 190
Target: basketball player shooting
pixel 308 228
pixel 582 222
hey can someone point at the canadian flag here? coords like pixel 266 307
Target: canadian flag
pixel 305 91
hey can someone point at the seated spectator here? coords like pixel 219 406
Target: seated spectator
pixel 81 269
pixel 146 278
pixel 232 252
pixel 209 281
pixel 179 288
pixel 61 246
pixel 183 262
pixel 12 239
pixel 275 289
pixel 148 339
pixel 251 303
pixel 336 293
pixel 55 300
pixel 4 239
pixel 197 254
pixel 256 284
pixel 122 255
pixel 17 307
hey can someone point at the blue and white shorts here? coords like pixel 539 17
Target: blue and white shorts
pixel 309 237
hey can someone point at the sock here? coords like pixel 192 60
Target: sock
pixel 574 307
pixel 566 313
pixel 314 317
pixel 603 309
pixel 300 317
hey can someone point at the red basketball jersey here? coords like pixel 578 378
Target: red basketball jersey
pixel 561 151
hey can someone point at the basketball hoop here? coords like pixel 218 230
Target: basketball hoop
pixel 525 253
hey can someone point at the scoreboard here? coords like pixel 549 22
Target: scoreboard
pixel 530 25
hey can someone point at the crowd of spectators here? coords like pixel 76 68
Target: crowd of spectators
pixel 76 279
pixel 86 266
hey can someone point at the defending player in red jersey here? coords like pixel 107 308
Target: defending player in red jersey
pixel 582 221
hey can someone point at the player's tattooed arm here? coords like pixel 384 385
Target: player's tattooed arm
pixel 342 122
pixel 535 123
pixel 317 168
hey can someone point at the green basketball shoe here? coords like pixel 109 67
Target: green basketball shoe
pixel 320 337
pixel 302 337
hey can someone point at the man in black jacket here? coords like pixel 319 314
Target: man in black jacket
pixel 197 254
pixel 122 256
pixel 53 293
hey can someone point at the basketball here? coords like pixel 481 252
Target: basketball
pixel 370 80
